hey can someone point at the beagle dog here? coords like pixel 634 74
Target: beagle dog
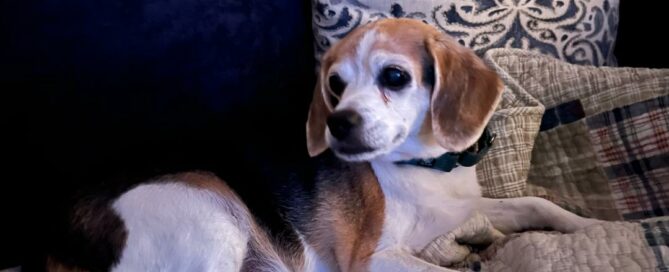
pixel 397 109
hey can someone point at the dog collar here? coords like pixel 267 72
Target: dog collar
pixel 446 162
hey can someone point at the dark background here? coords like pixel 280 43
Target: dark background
pixel 92 91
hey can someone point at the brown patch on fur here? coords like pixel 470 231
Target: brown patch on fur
pixel 349 217
pixel 53 265
pixel 466 93
pixel 316 122
pixel 346 47
pixel 207 181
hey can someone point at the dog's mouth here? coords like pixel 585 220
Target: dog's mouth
pixel 355 150
pixel 362 152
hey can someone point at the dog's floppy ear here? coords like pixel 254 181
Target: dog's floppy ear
pixel 466 93
pixel 316 122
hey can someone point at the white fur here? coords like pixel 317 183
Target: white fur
pixel 175 227
pixel 422 204
pixel 312 261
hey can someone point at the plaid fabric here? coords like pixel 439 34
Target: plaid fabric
pixel 602 143
pixel 503 171
pixel 562 160
pixel 656 232
pixel 632 144
pixel 563 114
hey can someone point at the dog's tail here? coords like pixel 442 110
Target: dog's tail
pixel 263 254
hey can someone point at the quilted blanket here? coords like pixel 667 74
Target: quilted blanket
pixel 594 141
pixel 610 246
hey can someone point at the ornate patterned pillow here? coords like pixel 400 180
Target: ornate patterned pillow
pixel 576 31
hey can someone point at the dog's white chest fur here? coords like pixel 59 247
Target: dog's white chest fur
pixel 421 203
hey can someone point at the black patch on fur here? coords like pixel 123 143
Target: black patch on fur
pixel 301 192
pixel 88 234
pixel 94 236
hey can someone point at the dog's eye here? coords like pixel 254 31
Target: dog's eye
pixel 394 78
pixel 337 85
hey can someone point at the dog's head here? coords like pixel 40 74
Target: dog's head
pixel 399 89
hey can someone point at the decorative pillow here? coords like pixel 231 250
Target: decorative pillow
pixel 576 31
pixel 603 142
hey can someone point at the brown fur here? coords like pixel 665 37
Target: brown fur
pixel 53 265
pixel 466 93
pixel 318 113
pixel 349 217
pixel 207 181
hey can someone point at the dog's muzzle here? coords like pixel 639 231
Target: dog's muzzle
pixel 346 127
pixel 343 123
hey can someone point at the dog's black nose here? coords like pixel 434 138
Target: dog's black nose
pixel 342 122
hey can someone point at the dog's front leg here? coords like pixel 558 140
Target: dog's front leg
pixel 396 260
pixel 516 214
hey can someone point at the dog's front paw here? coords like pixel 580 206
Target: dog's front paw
pixel 460 244
pixel 445 251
